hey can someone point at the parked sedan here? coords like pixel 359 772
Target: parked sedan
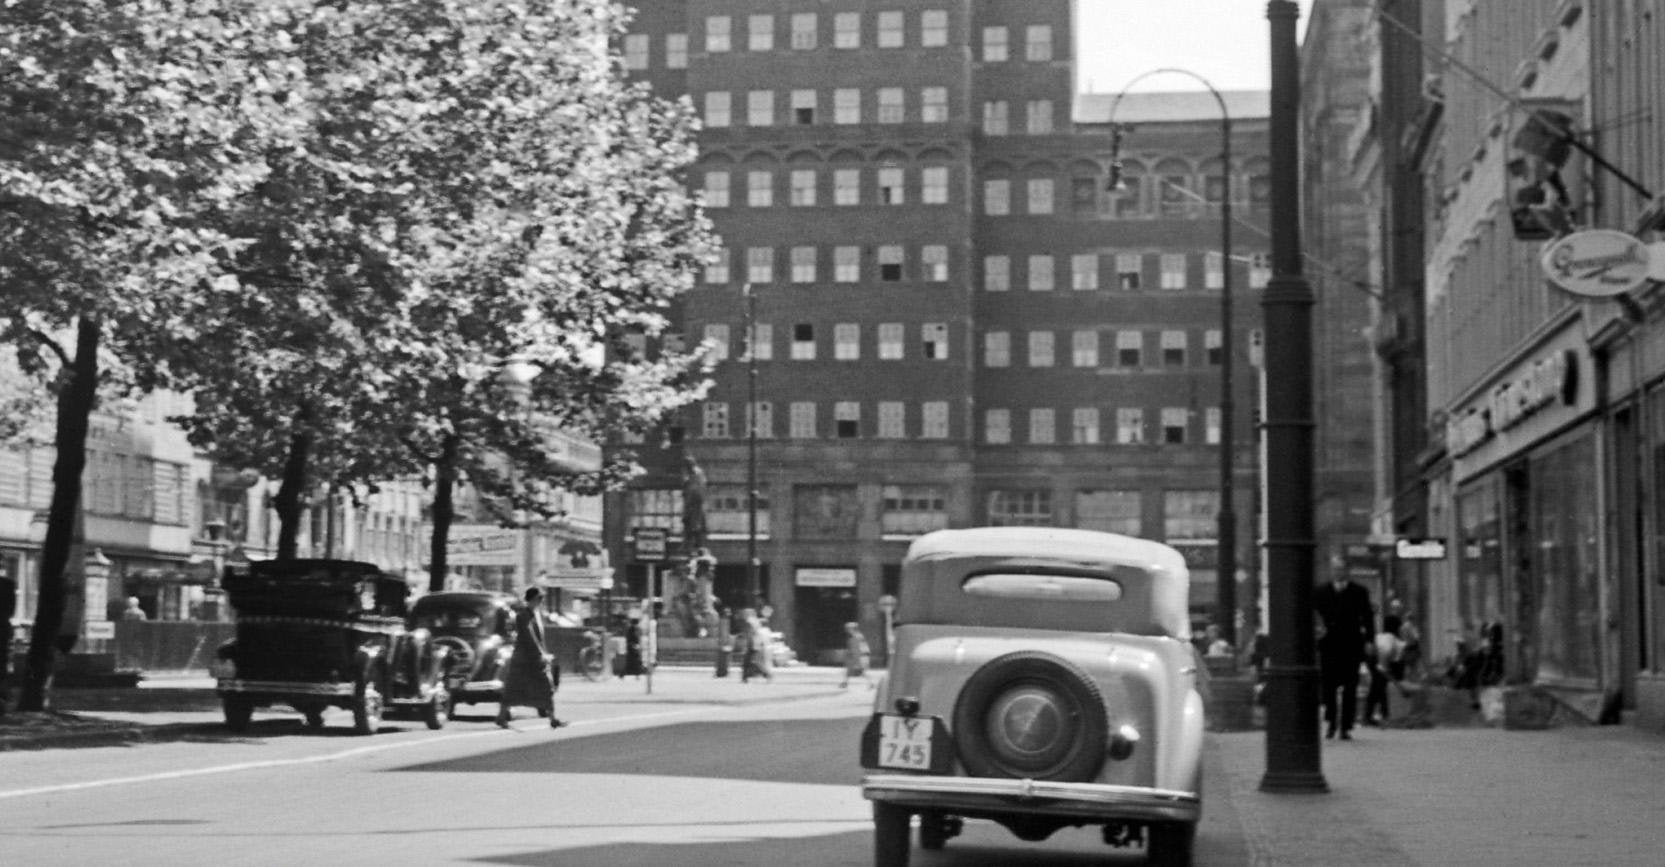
pixel 477 627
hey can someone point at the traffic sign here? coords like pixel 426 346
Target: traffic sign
pixel 649 544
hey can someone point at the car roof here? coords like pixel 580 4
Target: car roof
pixel 480 599
pixel 1086 547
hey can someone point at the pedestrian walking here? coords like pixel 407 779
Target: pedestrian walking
pixel 725 636
pixel 633 649
pixel 757 660
pixel 857 655
pixel 1379 658
pixel 532 677
pixel 1343 610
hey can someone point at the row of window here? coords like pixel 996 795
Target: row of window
pixel 122 485
pixel 1177 425
pixel 1040 271
pixel 803 108
pixel 804 187
pixel 889 29
pixel 1173 348
pixel 847 343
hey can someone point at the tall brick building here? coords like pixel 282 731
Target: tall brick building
pixel 956 322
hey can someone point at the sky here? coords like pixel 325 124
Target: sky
pixel 1224 41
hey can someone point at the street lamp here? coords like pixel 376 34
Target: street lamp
pixel 516 374
pixel 753 591
pixel 1225 587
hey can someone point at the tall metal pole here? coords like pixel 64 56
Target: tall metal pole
pixel 1225 587
pixel 753 592
pixel 1292 749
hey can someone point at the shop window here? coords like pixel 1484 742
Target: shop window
pixel 728 512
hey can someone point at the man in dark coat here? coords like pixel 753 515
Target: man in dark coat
pixel 529 679
pixel 1343 610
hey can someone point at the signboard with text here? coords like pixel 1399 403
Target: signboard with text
pixel 1419 549
pixel 648 544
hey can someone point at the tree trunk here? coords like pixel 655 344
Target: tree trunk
pixel 287 503
pixel 445 483
pixel 75 406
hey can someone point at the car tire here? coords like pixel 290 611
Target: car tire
pixel 890 835
pixel 1171 844
pixel 1075 750
pixel 238 712
pixel 437 710
pixel 367 711
pixel 933 831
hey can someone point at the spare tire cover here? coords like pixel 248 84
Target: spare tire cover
pixel 1031 715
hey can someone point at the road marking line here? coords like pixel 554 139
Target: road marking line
pixel 327 757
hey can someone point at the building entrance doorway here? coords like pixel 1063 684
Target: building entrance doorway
pixel 821 615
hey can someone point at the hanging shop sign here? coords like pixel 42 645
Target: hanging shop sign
pixel 1596 263
pixel 1547 381
pixel 1419 549
pixel 810 577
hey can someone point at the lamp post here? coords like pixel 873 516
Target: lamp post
pixel 1292 751
pixel 1225 587
pixel 753 591
pixel 516 375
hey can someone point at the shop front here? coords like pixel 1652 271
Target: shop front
pixel 1530 596
pixel 824 599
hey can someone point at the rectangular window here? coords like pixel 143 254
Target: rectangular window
pixel 891 420
pixel 762 341
pixel 933 28
pixel 995 45
pixel 846 105
pixel 760 264
pixel 1084 271
pixel 803 264
pixel 1037 42
pixel 728 512
pixel 847 341
pixel 803 107
pixel 1211 426
pixel 1084 348
pixel 1084 425
pixel 717 108
pixel 760 33
pixel 997 349
pixel 1020 508
pixel 847 30
pixel 802 420
pixel 1260 270
pixel 803 342
pixel 1040 349
pixel 760 189
pixel 760 417
pixel 890 30
pixel 997 197
pixel 803 188
pixel 933 185
pixel 760 108
pixel 1038 117
pixel 933 261
pixel 716 189
pixel 1213 276
pixel 717 270
pixel 1129 270
pixel 714 425
pixel 933 104
pixel 846 264
pixel 997 426
pixel 933 420
pixel 995 120
pixel 1173 271
pixel 1212 345
pixel 891 191
pixel 913 510
pixel 1130 348
pixel 1174 344
pixel 718 29
pixel 716 338
pixel 1043 426
pixel 890 263
pixel 803 31
pixel 1175 420
pixel 655 507
pixel 1084 195
pixel 934 336
pixel 1040 195
pixel 636 51
pixel 891 339
pixel 1130 425
pixel 1109 511
pixel 676 51
pixel 847 419
pixel 997 273
pixel 891 107
pixel 1041 275
pixel 1190 514
pixel 846 186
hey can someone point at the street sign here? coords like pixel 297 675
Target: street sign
pixel 1419 549
pixel 649 544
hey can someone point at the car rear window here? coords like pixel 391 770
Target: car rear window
pixel 1059 588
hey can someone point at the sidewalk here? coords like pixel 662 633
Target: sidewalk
pixel 1453 796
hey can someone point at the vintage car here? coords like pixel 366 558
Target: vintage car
pixel 1042 678
pixel 312 634
pixel 477 630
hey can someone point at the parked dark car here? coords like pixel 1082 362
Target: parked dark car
pixel 476 628
pixel 313 634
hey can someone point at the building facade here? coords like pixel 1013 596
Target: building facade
pixel 952 320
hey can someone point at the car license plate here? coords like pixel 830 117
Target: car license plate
pixel 905 742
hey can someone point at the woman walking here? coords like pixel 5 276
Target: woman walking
pixel 530 679
pixel 857 655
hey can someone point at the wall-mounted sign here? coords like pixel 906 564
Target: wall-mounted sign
pixel 1596 263
pixel 1549 380
pixel 808 577
pixel 1419 549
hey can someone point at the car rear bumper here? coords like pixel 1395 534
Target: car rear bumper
pixel 990 796
pixel 284 687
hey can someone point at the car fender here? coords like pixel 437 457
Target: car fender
pixel 1181 767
